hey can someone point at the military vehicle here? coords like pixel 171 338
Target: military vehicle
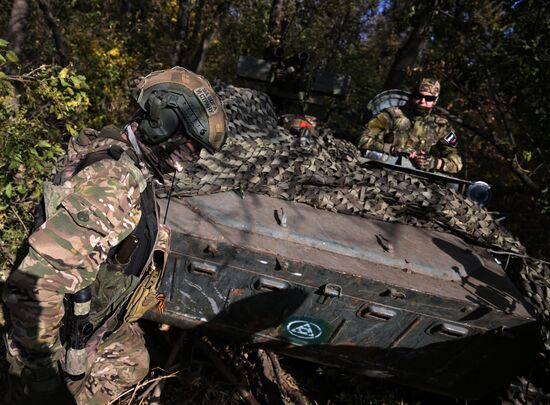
pixel 418 306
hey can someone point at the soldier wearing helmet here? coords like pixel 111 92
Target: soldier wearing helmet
pixel 93 265
pixel 415 131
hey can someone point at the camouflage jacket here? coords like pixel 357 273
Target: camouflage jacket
pixel 100 206
pixel 402 128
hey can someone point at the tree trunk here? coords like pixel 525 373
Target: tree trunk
pixel 193 41
pixel 181 35
pixel 56 32
pixel 207 37
pixel 340 29
pixel 125 20
pixel 125 8
pixel 200 55
pixel 274 26
pixel 17 23
pixel 406 56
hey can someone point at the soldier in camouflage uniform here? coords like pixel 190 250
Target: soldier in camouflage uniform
pixel 91 211
pixel 415 131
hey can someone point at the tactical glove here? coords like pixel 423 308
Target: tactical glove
pixel 427 163
pixel 399 151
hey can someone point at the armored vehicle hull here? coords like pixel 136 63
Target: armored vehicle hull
pixel 415 306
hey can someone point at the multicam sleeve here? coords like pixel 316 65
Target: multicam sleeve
pixel 446 150
pixel 65 254
pixel 452 163
pixel 374 137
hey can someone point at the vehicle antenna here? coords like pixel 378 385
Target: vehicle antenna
pixel 169 197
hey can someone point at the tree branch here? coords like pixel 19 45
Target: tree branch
pixel 507 154
pixel 182 32
pixel 56 32
pixel 243 391
pixel 407 54
pixel 207 37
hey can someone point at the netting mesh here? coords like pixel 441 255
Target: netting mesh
pixel 323 171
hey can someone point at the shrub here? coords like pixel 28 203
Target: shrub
pixel 39 109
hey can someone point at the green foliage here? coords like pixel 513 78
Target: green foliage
pixel 495 79
pixel 101 54
pixel 37 110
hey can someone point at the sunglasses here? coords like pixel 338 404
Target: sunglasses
pixel 418 96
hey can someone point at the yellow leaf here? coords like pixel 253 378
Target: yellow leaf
pixel 64 72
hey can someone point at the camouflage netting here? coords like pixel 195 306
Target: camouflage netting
pixel 324 172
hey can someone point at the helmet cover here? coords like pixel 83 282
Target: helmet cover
pixel 176 98
pixel 431 86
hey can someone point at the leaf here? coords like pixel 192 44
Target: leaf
pixel 64 73
pixel 76 81
pixel 72 131
pixel 3 43
pixel 12 56
pixel 43 144
pixel 8 190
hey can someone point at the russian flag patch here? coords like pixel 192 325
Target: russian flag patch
pixel 451 139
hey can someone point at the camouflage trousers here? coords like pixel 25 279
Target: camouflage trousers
pixel 122 361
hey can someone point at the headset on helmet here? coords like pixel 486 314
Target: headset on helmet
pixel 176 98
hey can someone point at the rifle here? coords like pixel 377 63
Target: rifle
pixel 477 191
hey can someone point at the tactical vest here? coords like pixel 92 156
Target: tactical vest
pixel 126 283
pixel 419 133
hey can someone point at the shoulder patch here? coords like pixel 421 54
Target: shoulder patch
pixel 451 139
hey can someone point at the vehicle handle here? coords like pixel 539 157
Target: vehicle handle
pixel 203 268
pixel 264 283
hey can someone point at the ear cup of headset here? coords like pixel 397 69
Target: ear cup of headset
pixel 161 126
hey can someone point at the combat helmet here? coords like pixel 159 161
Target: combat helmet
pixel 176 98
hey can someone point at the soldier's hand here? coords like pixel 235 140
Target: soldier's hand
pixel 399 151
pixel 425 162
